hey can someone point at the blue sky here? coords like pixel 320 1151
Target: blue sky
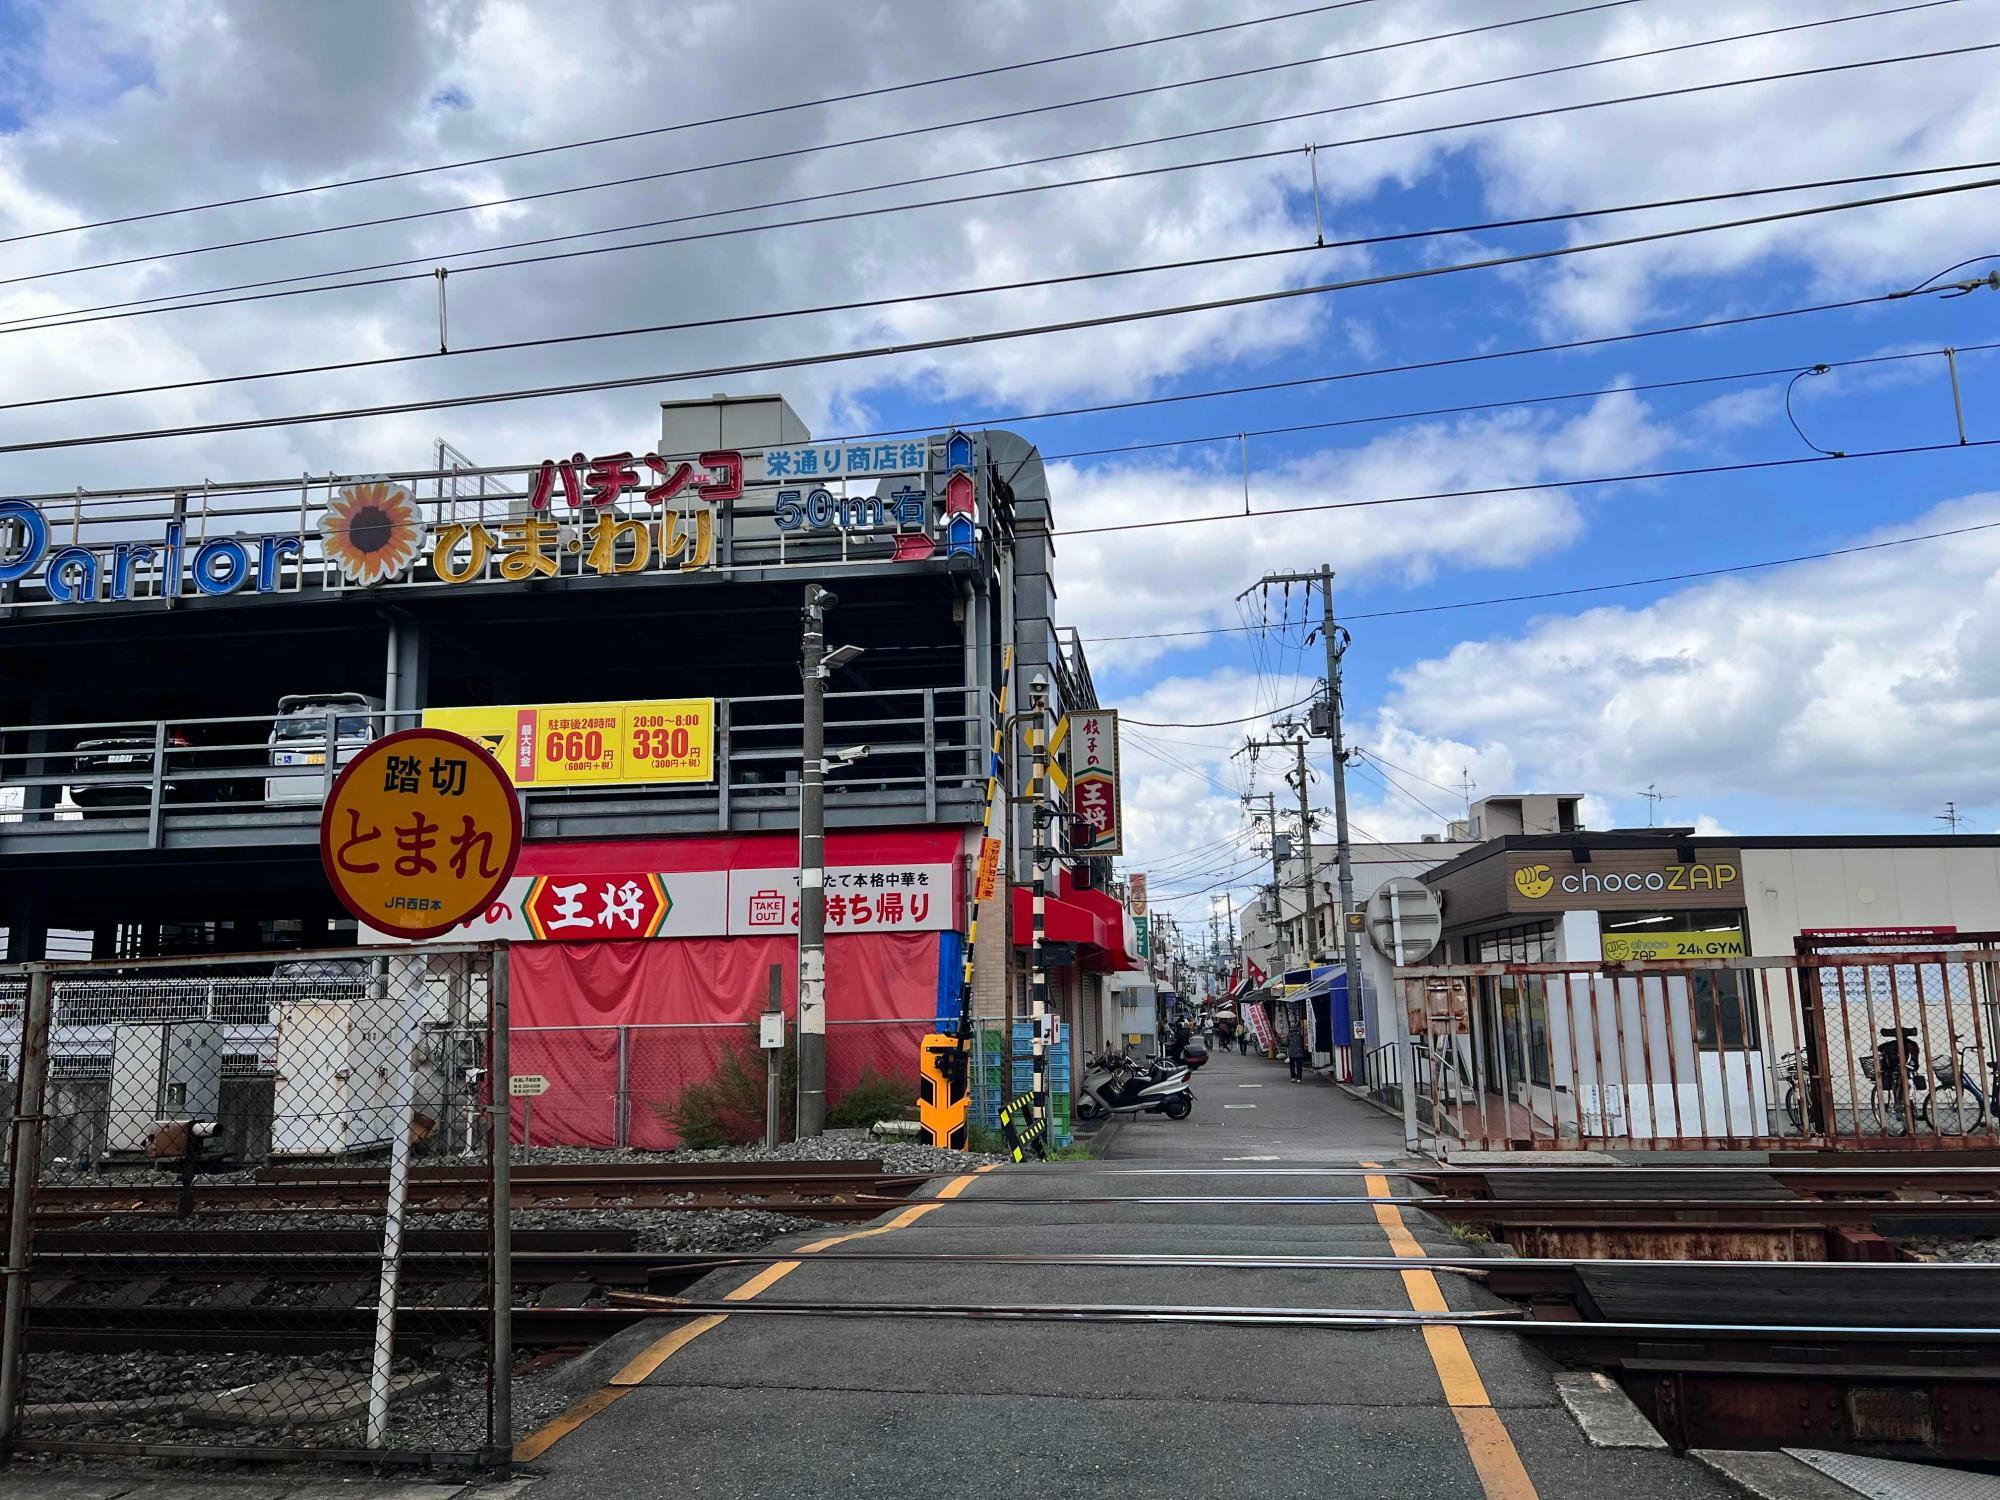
pixel 1852 695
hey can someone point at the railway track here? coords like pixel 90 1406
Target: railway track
pixel 834 1191
pixel 1810 1213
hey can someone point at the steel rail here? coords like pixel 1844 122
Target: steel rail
pixel 1497 1320
pixel 870 1170
pixel 1494 1266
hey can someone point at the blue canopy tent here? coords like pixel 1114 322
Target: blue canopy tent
pixel 1330 1026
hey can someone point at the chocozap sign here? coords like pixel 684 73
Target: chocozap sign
pixel 1623 880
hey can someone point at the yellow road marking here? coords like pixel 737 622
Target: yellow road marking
pixel 655 1354
pixel 536 1443
pixel 1487 1443
pixel 663 1349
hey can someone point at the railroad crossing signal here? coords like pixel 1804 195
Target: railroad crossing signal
pixel 943 1099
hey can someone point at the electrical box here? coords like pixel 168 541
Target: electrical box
pixel 336 1075
pixel 162 1071
pixel 771 1030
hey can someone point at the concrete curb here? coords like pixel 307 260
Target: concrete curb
pixel 1604 1412
pixel 1772 1476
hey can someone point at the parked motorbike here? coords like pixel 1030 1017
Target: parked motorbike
pixel 1114 1084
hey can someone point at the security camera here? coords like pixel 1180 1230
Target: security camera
pixel 837 759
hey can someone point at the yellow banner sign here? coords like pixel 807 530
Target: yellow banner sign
pixel 593 744
pixel 1640 947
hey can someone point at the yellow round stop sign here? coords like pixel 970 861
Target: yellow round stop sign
pixel 421 832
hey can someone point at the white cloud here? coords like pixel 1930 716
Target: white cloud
pixel 1865 681
pixel 1182 578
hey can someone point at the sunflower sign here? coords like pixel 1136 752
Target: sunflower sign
pixel 372 531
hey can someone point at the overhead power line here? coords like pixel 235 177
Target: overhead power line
pixel 1687 576
pixel 794 151
pixel 1740 466
pixel 288 483
pixel 973 340
pixel 763 112
pixel 221 295
pixel 1218 723
pixel 1068 279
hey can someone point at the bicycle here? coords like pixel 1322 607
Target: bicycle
pixel 1893 1076
pixel 1957 1105
pixel 1791 1070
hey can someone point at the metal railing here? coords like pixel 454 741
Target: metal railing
pixel 185 1275
pixel 113 543
pixel 142 780
pixel 1874 1049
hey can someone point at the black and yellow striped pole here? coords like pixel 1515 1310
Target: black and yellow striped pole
pixel 944 1068
pixel 1038 974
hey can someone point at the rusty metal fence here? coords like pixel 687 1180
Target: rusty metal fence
pixel 1842 1047
pixel 253 1214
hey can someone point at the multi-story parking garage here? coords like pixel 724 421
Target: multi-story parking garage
pixel 187 668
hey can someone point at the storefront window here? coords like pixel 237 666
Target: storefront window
pixel 1520 1050
pixel 1725 1016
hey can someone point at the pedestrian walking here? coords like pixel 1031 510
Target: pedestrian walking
pixel 1243 1040
pixel 1295 1053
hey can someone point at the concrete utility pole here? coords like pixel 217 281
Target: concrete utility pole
pixel 1298 776
pixel 812 868
pixel 1324 719
pixel 1278 945
pixel 1336 648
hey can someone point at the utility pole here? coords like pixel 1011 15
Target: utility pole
pixel 1336 647
pixel 1298 776
pixel 812 867
pixel 1235 944
pixel 1323 719
pixel 1277 874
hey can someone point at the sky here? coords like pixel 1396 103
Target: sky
pixel 1850 694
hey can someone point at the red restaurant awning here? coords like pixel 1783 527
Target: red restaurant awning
pixel 1091 919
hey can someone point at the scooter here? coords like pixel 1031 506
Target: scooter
pixel 1115 1085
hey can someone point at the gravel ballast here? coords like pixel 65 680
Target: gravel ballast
pixel 838 1145
pixel 191 1397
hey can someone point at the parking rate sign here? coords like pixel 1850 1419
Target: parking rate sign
pixel 420 833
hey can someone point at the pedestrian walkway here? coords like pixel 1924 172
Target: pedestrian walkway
pixel 775 1405
pixel 1248 1109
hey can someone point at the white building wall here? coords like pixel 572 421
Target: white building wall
pixel 1789 890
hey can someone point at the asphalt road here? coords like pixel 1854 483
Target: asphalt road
pixel 777 1406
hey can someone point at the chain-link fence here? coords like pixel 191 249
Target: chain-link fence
pixel 659 1087
pixel 255 1215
